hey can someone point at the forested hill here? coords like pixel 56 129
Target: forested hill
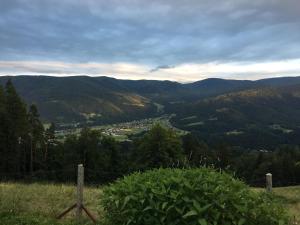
pixel 76 99
pixel 105 100
pixel 257 117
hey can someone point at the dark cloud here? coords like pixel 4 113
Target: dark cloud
pixel 162 67
pixel 157 32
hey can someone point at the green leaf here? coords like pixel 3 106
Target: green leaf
pixel 164 205
pixel 117 202
pixel 147 208
pixel 196 205
pixel 202 222
pixel 242 221
pixel 126 200
pixel 204 208
pixel 190 213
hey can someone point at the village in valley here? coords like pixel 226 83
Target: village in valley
pixel 120 131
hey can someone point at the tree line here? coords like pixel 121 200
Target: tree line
pixel 30 152
pixel 23 139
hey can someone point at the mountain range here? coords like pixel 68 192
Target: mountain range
pixel 217 107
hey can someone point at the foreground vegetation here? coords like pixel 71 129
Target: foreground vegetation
pixel 189 197
pixel 39 204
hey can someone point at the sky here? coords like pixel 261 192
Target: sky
pixel 181 40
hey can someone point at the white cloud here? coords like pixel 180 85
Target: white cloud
pixel 182 73
pixel 249 71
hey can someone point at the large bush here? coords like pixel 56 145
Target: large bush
pixel 187 196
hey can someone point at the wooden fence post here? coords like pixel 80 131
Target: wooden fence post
pixel 79 204
pixel 269 182
pixel 80 183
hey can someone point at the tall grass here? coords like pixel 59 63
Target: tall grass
pixel 290 196
pixel 44 200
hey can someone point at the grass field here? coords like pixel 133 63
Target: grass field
pixel 39 204
pixel 290 197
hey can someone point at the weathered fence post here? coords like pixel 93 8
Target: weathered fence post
pixel 269 182
pixel 80 183
pixel 79 204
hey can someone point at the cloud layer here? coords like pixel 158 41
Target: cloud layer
pixel 183 73
pixel 148 39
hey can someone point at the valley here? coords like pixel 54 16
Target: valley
pixel 246 130
pixel 122 131
pixel 258 114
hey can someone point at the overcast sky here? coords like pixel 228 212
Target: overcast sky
pixel 181 40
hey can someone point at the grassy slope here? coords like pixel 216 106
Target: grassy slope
pixel 290 196
pixel 38 204
pixel 41 203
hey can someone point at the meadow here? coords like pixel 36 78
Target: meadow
pixel 40 203
pixel 290 197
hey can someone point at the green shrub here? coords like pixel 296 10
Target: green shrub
pixel 188 196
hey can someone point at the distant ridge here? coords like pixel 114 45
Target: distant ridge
pixel 104 99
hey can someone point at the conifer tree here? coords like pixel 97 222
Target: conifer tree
pixel 50 141
pixel 36 131
pixel 17 128
pixel 2 130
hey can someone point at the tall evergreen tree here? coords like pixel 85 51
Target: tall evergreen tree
pixel 36 131
pixel 17 128
pixel 110 147
pixel 2 130
pixel 50 141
